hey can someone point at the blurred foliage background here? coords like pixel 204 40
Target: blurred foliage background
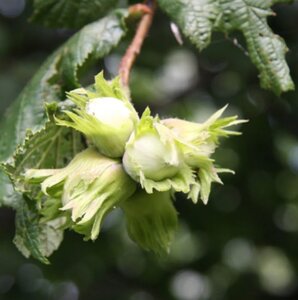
pixel 244 243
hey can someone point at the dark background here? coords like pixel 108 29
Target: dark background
pixel 244 244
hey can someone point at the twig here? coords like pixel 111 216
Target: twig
pixel 147 9
pixel 139 9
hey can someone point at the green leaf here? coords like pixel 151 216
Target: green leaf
pixel 266 49
pixel 198 18
pixel 58 74
pixel 70 13
pixel 51 147
pixel 33 237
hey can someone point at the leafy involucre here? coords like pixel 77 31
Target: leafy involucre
pixel 200 141
pixel 57 75
pixel 160 167
pixel 89 187
pixel 198 18
pixel 151 220
pixel 104 115
pixel 70 13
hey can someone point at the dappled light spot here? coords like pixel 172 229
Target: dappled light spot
pixel 190 285
pixel 275 271
pixel 286 217
pixel 239 254
pixel 11 8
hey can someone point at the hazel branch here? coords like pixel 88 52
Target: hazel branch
pixel 147 10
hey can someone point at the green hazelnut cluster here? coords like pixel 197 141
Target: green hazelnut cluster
pixel 133 163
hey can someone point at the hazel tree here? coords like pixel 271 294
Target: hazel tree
pixel 72 154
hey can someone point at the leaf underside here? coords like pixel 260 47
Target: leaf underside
pixel 199 18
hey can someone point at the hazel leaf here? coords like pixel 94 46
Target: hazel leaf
pixel 199 18
pixel 34 238
pixel 69 13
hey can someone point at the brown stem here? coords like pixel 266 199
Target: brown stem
pixel 139 9
pixel 135 47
